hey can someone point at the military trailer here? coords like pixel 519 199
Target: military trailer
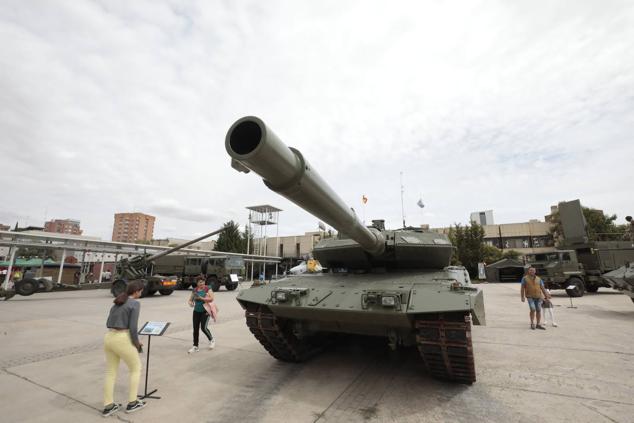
pixel 217 270
pixel 580 264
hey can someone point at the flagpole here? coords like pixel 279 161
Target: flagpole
pixel 402 205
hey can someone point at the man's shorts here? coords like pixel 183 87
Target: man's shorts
pixel 535 304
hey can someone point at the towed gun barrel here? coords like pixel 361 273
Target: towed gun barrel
pixel 253 146
pixel 186 244
pixel 135 267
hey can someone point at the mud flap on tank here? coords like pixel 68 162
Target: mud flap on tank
pixel 444 343
pixel 477 309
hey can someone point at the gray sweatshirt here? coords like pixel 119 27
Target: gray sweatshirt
pixel 126 316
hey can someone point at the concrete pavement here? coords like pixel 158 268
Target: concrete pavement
pixel 52 367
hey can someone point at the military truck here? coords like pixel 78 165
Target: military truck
pixel 217 270
pixel 140 268
pixel 580 264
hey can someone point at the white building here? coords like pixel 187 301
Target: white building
pixel 482 217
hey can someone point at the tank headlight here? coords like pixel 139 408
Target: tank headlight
pixel 280 296
pixel 388 301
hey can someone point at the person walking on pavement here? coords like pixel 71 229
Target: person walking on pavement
pixel 200 318
pixel 122 342
pixel 548 309
pixel 534 291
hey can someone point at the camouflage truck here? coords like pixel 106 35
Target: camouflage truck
pixel 217 270
pixel 580 264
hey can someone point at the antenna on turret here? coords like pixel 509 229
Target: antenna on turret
pixel 402 205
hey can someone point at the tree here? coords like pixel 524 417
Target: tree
pixel 247 240
pixel 231 240
pixel 511 254
pixel 599 225
pixel 491 254
pixel 470 246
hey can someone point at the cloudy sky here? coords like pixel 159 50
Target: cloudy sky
pixel 111 106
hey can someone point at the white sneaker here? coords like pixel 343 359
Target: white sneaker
pixel 193 350
pixel 554 324
pixel 212 344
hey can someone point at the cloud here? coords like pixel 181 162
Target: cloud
pixel 113 107
pixel 172 209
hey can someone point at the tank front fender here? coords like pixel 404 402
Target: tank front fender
pixel 432 299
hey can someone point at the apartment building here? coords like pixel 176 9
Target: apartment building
pixel 133 227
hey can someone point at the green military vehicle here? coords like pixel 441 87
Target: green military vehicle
pixel 141 268
pixel 622 279
pixel 217 270
pixel 394 284
pixel 580 265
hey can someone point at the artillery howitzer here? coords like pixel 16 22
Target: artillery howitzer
pixel 136 268
pixel 395 284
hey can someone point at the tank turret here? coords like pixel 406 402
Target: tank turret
pixel 253 146
pixel 395 284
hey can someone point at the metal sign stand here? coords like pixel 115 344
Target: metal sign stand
pixel 569 290
pixel 571 306
pixel 149 329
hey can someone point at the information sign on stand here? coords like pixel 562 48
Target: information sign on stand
pixel 151 329
pixel 570 290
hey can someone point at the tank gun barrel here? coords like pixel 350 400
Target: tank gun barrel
pixel 181 246
pixel 253 146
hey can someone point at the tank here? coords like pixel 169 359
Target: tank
pixel 395 284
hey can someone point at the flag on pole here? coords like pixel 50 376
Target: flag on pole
pixel 420 203
pixel 364 199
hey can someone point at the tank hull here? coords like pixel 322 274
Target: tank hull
pixel 429 310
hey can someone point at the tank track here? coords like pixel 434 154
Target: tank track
pixel 275 335
pixel 444 342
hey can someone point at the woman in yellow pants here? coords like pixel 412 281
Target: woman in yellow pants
pixel 122 343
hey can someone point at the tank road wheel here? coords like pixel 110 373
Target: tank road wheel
pixel 276 335
pixel 579 287
pixel 231 286
pixel 213 283
pixel 118 287
pixel 27 287
pixel 592 288
pixel 444 342
pixel 166 291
